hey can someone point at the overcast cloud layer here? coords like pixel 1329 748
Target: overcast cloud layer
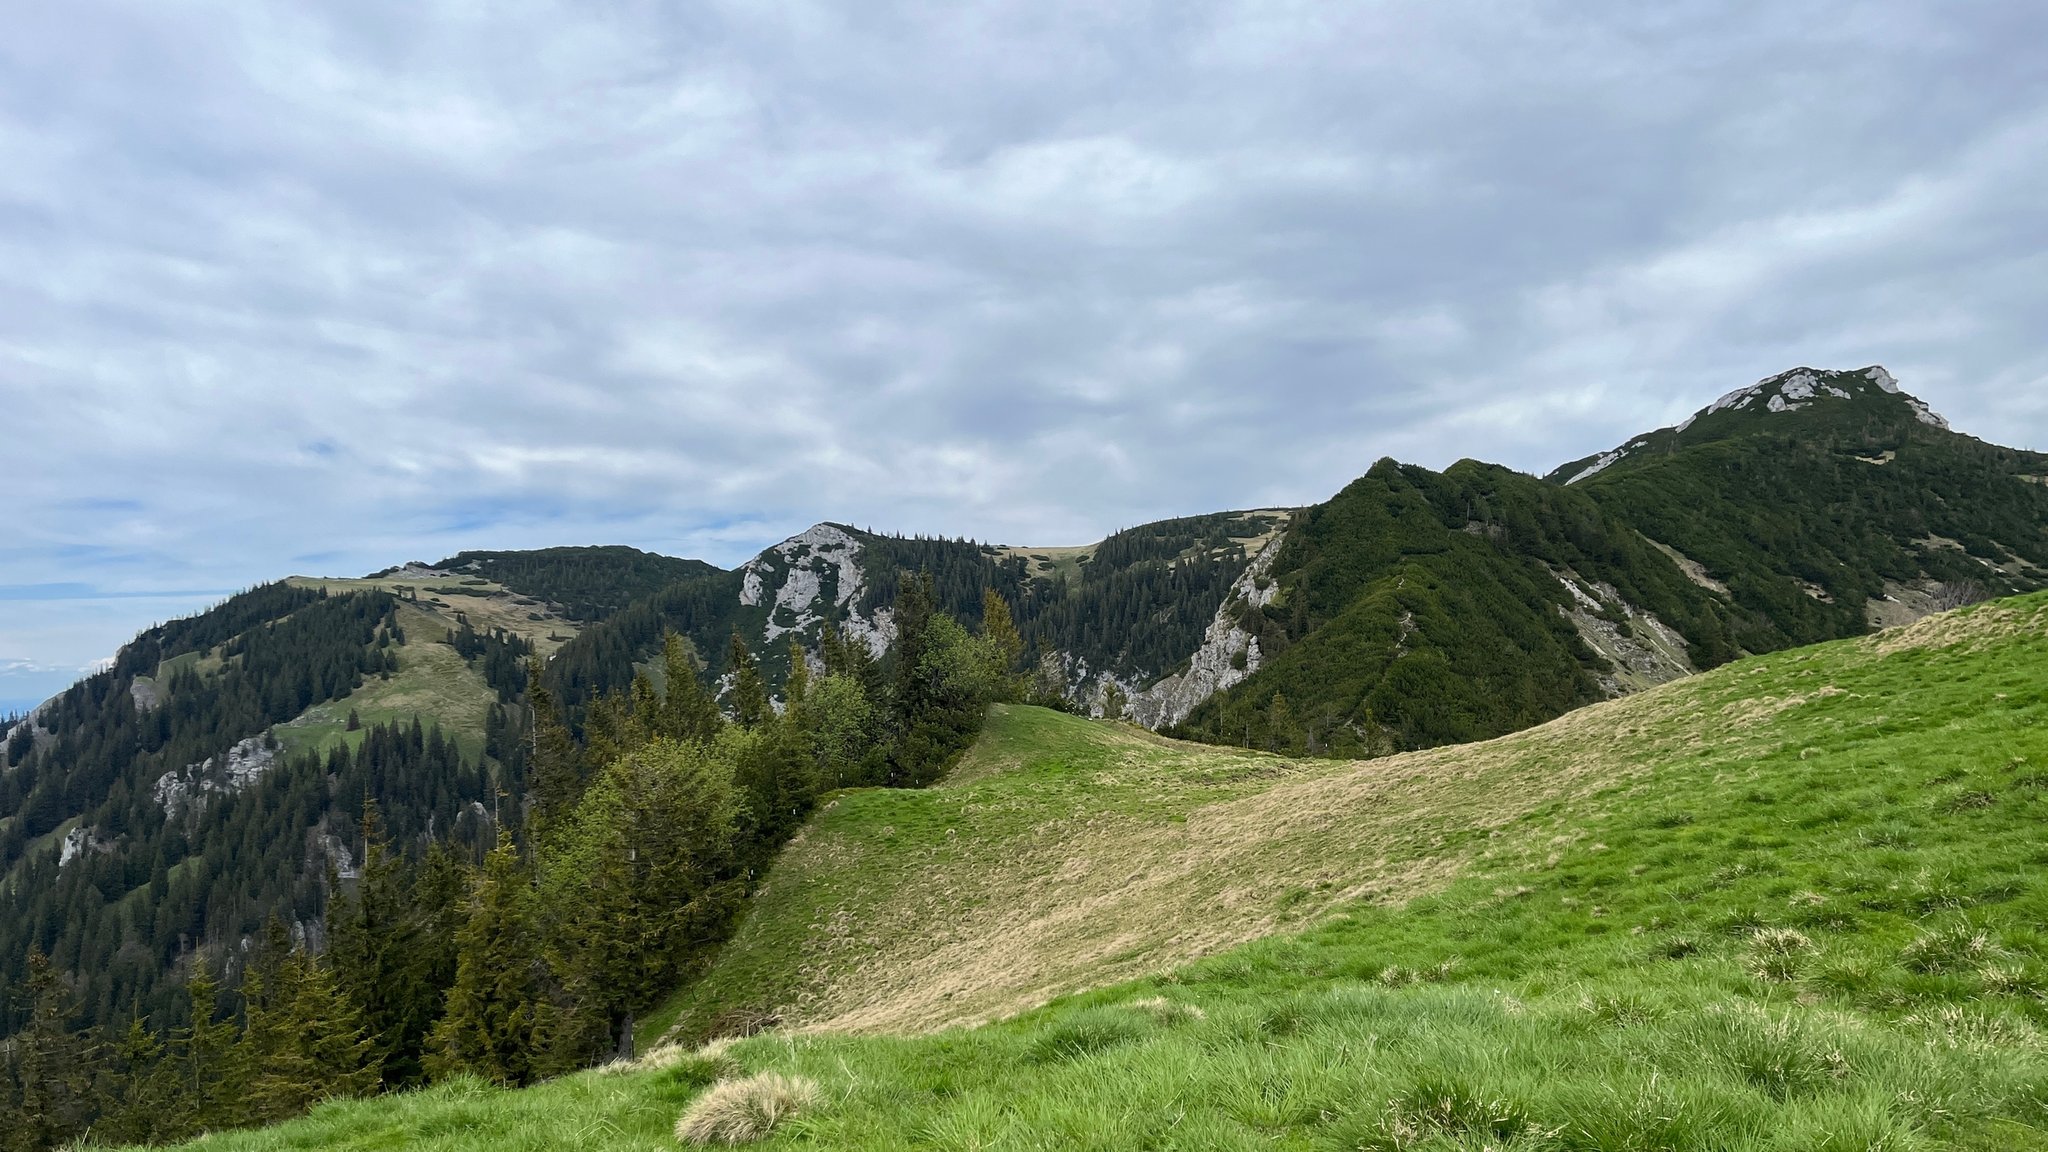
pixel 287 291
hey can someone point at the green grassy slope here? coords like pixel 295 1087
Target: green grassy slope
pixel 1793 903
pixel 432 685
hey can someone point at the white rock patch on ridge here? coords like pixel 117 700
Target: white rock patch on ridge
pixel 1794 390
pixel 1924 414
pixel 806 557
pixel 1603 462
pixel 1213 667
pixel 1597 466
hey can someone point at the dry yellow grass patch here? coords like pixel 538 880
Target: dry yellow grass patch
pixel 1168 1011
pixel 1970 625
pixel 743 1111
pixel 1103 897
pixel 1747 712
pixel 669 1055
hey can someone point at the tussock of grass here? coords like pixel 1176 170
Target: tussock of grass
pixel 711 1056
pixel 1778 955
pixel 1951 947
pixel 744 1111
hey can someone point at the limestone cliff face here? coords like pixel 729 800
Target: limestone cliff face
pixel 1228 653
pixel 819 575
pixel 191 786
pixel 1641 650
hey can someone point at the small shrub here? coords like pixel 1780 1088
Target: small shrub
pixel 1951 948
pixel 743 1111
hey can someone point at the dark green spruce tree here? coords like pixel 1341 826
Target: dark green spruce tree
pixel 749 690
pixel 488 1029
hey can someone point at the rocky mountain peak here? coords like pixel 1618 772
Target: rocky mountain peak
pixel 1804 387
pixel 1794 390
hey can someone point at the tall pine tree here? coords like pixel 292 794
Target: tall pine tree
pixel 749 691
pixel 53 1064
pixel 554 771
pixel 488 1028
pixel 687 712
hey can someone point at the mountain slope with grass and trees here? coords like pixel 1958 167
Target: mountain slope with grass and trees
pixel 1789 903
pixel 506 814
pixel 240 939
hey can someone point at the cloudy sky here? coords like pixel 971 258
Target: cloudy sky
pixel 286 290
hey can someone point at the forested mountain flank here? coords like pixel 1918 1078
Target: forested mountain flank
pixel 153 806
pixel 393 911
pixel 1416 609
pixel 1826 503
